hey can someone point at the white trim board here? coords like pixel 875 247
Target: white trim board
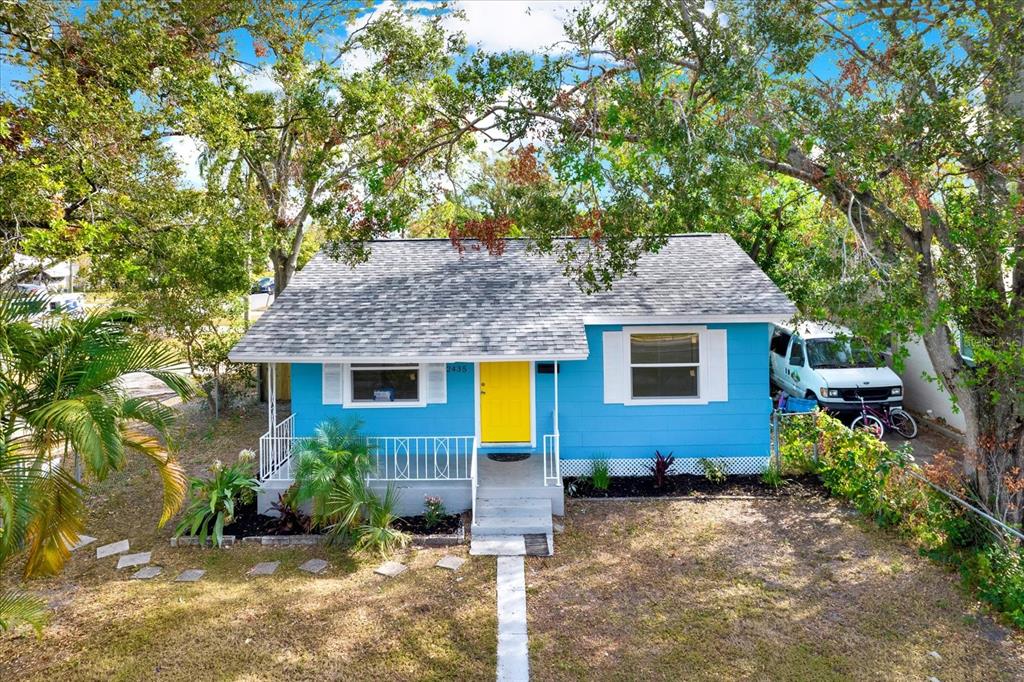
pixel 684 319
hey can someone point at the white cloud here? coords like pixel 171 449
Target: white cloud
pixel 259 79
pixel 528 25
pixel 187 150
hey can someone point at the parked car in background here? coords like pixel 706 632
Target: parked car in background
pixel 31 289
pixel 69 304
pixel 264 285
pixel 825 363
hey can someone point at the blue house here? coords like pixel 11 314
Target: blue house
pixel 486 379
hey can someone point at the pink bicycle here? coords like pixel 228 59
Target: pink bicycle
pixel 875 420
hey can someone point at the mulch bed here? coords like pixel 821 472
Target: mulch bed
pixel 247 523
pixel 685 485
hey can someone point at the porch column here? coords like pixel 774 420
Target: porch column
pixel 556 399
pixel 271 396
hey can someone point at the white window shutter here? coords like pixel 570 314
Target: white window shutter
pixel 615 370
pixel 437 382
pixel 332 384
pixel 717 367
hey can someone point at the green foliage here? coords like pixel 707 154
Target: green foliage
pixel 64 417
pixel 599 476
pixel 858 467
pixel 433 510
pixel 18 607
pixel 772 477
pixel 214 499
pixel 331 472
pixel 713 471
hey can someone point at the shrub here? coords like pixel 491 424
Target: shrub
pixel 214 499
pixel 433 510
pixel 290 518
pixel 599 476
pixel 660 468
pixel 713 471
pixel 332 472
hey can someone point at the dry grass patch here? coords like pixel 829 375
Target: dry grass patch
pixel 347 623
pixel 750 589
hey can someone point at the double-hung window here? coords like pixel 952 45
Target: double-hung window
pixel 664 365
pixel 376 383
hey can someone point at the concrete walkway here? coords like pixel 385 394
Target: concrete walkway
pixel 513 647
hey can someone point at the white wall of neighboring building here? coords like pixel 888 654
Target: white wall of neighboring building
pixel 922 395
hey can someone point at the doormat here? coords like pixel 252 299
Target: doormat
pixel 507 456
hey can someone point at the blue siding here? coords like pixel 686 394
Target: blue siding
pixel 589 427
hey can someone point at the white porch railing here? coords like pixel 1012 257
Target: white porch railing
pixel 276 451
pixel 393 458
pixel 421 458
pixel 474 477
pixel 552 461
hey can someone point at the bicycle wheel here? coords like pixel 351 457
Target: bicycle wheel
pixel 902 423
pixel 869 423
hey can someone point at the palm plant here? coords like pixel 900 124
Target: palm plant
pixel 64 418
pixel 332 472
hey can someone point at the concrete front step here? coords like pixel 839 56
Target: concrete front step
pixel 511 516
pixel 498 545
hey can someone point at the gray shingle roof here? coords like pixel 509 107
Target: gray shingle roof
pixel 421 299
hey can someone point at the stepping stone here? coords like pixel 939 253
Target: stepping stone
pixel 147 573
pixel 190 576
pixel 314 566
pixel 111 549
pixel 83 540
pixel 452 563
pixel 264 568
pixel 129 560
pixel 391 569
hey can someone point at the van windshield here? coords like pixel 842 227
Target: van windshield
pixel 835 354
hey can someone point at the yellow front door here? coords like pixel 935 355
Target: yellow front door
pixel 505 402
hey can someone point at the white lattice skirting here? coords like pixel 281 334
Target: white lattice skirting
pixel 683 465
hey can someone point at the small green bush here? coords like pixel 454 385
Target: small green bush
pixel 772 477
pixel 599 476
pixel 713 471
pixel 214 499
pixel 433 510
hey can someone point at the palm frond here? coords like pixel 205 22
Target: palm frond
pixel 172 475
pixel 57 523
pixel 19 607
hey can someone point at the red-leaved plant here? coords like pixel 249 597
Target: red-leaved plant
pixel 662 463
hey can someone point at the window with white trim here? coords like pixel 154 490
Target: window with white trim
pixel 664 365
pixel 384 383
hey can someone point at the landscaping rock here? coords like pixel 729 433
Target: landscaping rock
pixel 83 540
pixel 391 569
pixel 452 563
pixel 264 568
pixel 190 576
pixel 315 566
pixel 147 573
pixel 138 559
pixel 935 655
pixel 111 549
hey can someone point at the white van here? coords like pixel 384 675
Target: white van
pixel 810 362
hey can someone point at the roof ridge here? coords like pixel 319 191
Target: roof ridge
pixel 391 240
